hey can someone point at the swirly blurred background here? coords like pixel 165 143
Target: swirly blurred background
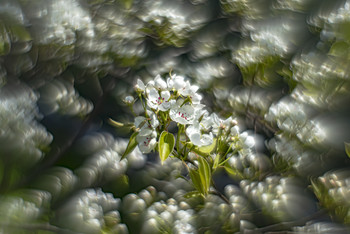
pixel 281 67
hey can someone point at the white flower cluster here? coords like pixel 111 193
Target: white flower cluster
pixel 21 135
pixel 175 100
pixel 91 211
pixel 284 198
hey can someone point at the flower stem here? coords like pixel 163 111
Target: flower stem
pixel 143 105
pixel 179 132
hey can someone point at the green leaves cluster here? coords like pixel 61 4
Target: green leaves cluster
pixel 201 175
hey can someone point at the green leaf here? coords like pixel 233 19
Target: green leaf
pixel 131 145
pixel 127 4
pixel 339 49
pixel 216 161
pixel 196 180
pixel 205 174
pixel 208 148
pixel 347 148
pixel 166 145
pixel 316 188
pixel 232 171
pixel 201 178
pixel 5 43
pixel 19 33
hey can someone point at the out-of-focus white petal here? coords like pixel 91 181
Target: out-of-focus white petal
pixel 159 83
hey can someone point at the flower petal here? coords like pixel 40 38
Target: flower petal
pixel 159 83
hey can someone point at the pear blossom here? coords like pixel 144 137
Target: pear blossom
pixel 195 98
pixel 147 137
pixel 184 88
pixel 247 140
pixel 196 137
pixel 147 143
pixel 207 121
pixel 159 83
pixel 156 101
pixel 201 113
pixel 176 82
pixel 234 130
pixel 188 89
pixel 139 86
pixel 150 84
pixel 218 123
pixel 146 126
pixel 183 114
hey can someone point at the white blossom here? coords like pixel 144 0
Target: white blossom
pixel 145 128
pixel 176 82
pixel 140 86
pixel 247 140
pixel 159 83
pixel 156 101
pixel 183 114
pixel 218 123
pixel 147 143
pixel 147 134
pixel 196 136
pixel 188 89
pixel 234 130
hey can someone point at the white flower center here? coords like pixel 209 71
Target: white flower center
pixel 147 141
pixel 183 115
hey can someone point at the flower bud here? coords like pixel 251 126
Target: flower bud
pixel 129 100
pixel 139 86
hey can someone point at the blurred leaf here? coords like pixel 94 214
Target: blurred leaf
pixel 344 29
pixel 232 171
pixel 339 49
pixel 216 161
pixel 166 145
pixel 127 3
pixel 196 180
pixel 4 41
pixel 201 178
pixel 192 194
pixel 205 174
pixel 18 33
pixel 347 148
pixel 131 145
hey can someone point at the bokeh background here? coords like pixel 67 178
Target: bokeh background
pixel 281 67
